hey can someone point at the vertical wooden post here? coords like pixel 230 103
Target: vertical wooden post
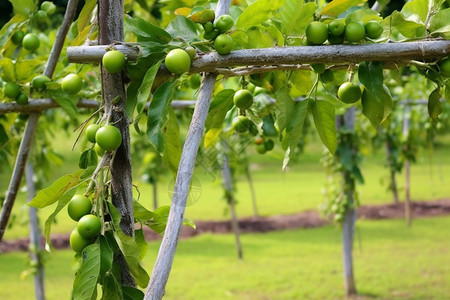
pixel 389 154
pixel 35 236
pixel 406 123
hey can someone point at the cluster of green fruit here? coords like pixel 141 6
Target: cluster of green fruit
pixel 336 32
pixel 106 138
pixel 12 90
pixel 88 225
pixel 216 31
pixel 242 99
pixel 263 145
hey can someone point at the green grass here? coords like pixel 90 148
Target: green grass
pixel 391 262
pixel 278 192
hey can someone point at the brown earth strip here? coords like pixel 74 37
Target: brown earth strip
pixel 306 219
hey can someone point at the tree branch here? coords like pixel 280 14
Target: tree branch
pixel 163 265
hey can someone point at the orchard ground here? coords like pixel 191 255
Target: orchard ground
pixel 391 261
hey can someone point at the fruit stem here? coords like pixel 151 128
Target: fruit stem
pixel 350 76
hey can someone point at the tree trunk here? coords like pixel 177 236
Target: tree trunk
pixel 35 236
pixel 230 199
pixel 110 18
pixel 252 190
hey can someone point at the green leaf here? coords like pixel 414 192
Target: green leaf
pixel 258 12
pixel 290 13
pixel 26 69
pixel 376 99
pixel 130 250
pixel 190 223
pixel 184 28
pixel 130 293
pixel 51 194
pixel 220 105
pixel 439 23
pixel 172 146
pixel 159 221
pixel 8 71
pixel 416 10
pixel 268 126
pixel 143 93
pixel 85 283
pixel 434 104
pixel 146 31
pixel 85 14
pixel 294 130
pixel 9 27
pixel 447 90
pixel 362 15
pixel 111 288
pixel 336 7
pixel 65 101
pixel 158 113
pixel 407 28
pixel 324 119
pixel 141 213
pixel 24 7
pixel 140 241
pixel 62 202
pixel 106 256
pixel 302 82
pixel 88 158
pixel 258 38
pixel 284 108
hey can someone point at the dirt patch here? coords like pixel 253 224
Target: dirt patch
pixel 306 219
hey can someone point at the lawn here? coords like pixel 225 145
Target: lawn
pixel 391 262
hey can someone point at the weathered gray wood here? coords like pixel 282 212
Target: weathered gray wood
pixel 94 54
pixel 163 264
pixel 35 236
pixel 294 57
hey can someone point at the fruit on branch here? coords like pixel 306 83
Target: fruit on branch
pixel 77 242
pixel 243 99
pixel 373 29
pixel 48 7
pixel 177 61
pixel 241 124
pixel 40 17
pixel 444 66
pixel 336 40
pixel 99 150
pixel 223 44
pixel 261 149
pixel 354 32
pixel 39 82
pixel 71 84
pixel 17 37
pixel 195 81
pixel 336 28
pixel 317 32
pixel 79 206
pixel 89 226
pixel 91 130
pixel 113 61
pixel 191 52
pixel 22 99
pixel 269 144
pixel 259 140
pixel 224 23
pixel 11 90
pixel 31 42
pixel 108 138
pixel 349 92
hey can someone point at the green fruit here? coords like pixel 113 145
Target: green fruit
pixel 444 67
pixel 91 130
pixel 71 84
pixel 40 16
pixel 22 99
pixel 373 29
pixel 259 140
pixel 327 76
pixel 89 226
pixel 208 26
pixel 113 61
pixel 336 40
pixel 261 149
pixel 241 124
pixel 79 206
pixel 108 138
pixel 318 68
pixel 269 144
pixel 223 44
pixel 195 81
pixel 354 32
pixel 191 52
pixel 11 90
pixel 39 82
pixel 177 61
pixel 77 242
pixel 17 37
pixel 224 23
pixel 260 90
pixel 316 32
pixel 211 35
pixel 243 99
pixel 31 42
pixel 100 152
pixel 336 27
pixel 349 92
pixel 48 7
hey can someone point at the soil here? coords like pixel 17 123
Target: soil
pixel 306 219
